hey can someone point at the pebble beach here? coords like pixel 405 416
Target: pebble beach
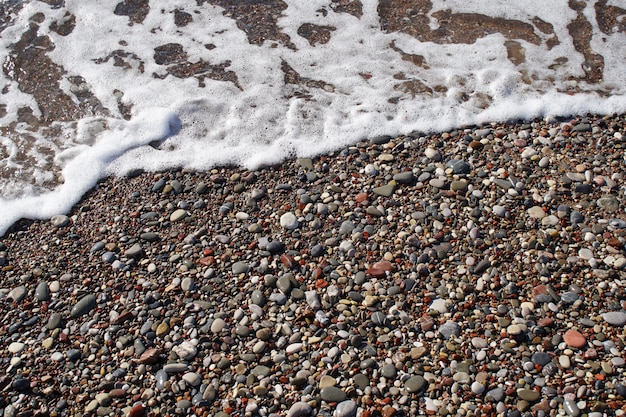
pixel 475 272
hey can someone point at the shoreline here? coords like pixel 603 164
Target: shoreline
pixel 471 272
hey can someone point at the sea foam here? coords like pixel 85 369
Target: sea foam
pixel 207 92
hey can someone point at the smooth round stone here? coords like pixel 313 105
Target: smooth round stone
pixel 174 368
pixel 528 395
pixel 541 358
pixel 135 251
pixel 178 215
pixel 240 268
pixel 479 342
pixel 54 321
pixel 496 395
pixel 405 177
pixel 192 379
pixel 615 318
pixel 437 183
pixel 347 408
pixel 275 246
pixel 59 220
pixel 257 297
pixel 571 408
pixel 574 338
pixel 17 294
pixel 380 319
pixel 162 329
pixel 260 371
pixel 514 329
pixel 299 409
pixel 259 347
pixel 293 348
pixel 477 388
pixel 459 166
pixel 217 325
pixel 332 394
pixel 449 329
pixel 415 383
pixel 609 203
pixel 327 381
pixel 283 284
pixel 187 284
pixel 83 306
pixel 564 361
pixel 569 297
pixel 550 220
pixel 16 347
pixel 499 210
pixel 42 292
pixel 585 254
pixel 278 298
pixel 536 212
pixel 289 221
pixel 388 371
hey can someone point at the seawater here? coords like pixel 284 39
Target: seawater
pixel 92 88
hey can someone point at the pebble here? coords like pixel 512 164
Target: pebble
pixel 42 292
pixel 347 408
pixel 289 221
pixel 300 409
pixel 615 318
pixel 415 384
pixel 178 215
pixel 83 306
pixel 574 338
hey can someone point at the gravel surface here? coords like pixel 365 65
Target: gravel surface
pixel 473 272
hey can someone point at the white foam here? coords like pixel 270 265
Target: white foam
pixel 262 120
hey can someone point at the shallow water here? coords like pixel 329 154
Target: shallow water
pixel 90 90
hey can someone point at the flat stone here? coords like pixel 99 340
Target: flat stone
pixel 17 294
pixel 83 306
pixel 299 409
pixel 332 394
pixel 449 329
pixel 571 408
pixel 405 177
pixel 347 408
pixel 59 220
pixel 16 347
pixel 192 379
pixel 175 367
pixel 495 395
pixel 135 251
pixel 178 215
pixel 615 318
pixel 536 212
pixel 528 395
pixel 415 383
pixel 574 338
pixel 385 190
pixel 240 268
pixel 459 166
pixel 327 381
pixel 42 292
pixel 217 325
pixel 289 221
pixel 609 203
